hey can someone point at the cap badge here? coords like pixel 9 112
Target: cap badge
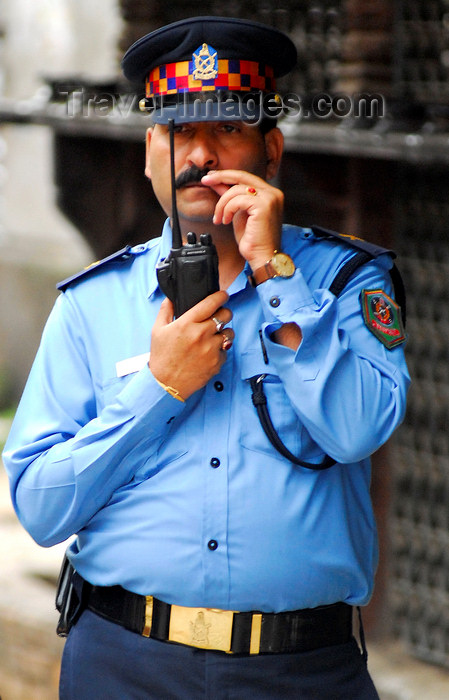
pixel 383 317
pixel 205 62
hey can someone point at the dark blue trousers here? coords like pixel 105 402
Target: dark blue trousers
pixel 103 661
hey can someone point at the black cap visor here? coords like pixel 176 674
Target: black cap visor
pixel 214 106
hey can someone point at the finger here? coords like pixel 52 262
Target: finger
pixel 165 314
pixel 215 184
pixel 227 339
pixel 225 211
pixel 206 308
pixel 232 177
pixel 221 318
pixel 236 190
pixel 249 201
pixel 219 188
pixel 247 184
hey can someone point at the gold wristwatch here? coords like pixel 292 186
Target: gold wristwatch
pixel 280 265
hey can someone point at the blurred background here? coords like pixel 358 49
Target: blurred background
pixel 72 190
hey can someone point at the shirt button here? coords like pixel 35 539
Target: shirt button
pixel 218 386
pixel 214 462
pixel 212 544
pixel 275 302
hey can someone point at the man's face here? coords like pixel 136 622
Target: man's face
pixel 200 147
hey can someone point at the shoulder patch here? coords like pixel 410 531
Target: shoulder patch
pixel 120 255
pixel 354 241
pixel 383 317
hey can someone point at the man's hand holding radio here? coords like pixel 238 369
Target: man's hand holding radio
pixel 187 352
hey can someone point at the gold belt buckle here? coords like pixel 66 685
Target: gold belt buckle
pixel 203 628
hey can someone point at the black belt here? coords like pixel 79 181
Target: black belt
pixel 224 630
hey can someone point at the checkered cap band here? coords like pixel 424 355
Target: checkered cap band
pixel 232 75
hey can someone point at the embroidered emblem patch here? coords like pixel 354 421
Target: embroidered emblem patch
pixel 206 64
pixel 383 317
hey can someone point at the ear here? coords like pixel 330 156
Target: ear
pixel 147 152
pixel 274 144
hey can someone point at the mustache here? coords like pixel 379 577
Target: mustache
pixel 193 174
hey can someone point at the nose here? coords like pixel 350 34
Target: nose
pixel 202 150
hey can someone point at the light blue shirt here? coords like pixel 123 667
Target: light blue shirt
pixel 147 483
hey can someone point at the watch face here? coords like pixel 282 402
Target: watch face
pixel 283 264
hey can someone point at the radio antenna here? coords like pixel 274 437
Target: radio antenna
pixel 176 229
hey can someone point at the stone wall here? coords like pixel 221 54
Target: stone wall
pixel 38 245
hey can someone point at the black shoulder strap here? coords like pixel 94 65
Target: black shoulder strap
pixel 120 255
pixel 399 291
pixel 366 251
pixel 341 278
pixel 371 248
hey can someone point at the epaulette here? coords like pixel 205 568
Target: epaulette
pixel 119 256
pixel 371 248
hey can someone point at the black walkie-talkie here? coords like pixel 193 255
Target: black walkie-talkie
pixel 190 272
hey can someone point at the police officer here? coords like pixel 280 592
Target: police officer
pixel 219 553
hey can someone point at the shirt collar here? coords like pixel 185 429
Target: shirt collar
pixel 163 246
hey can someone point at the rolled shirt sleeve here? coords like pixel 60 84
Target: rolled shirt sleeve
pixel 348 390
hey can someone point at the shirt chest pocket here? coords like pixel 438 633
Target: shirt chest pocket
pixel 284 418
pixel 109 389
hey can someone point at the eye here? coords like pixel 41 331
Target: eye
pixel 228 127
pixel 181 128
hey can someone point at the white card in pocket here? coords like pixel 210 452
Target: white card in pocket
pixel 132 364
